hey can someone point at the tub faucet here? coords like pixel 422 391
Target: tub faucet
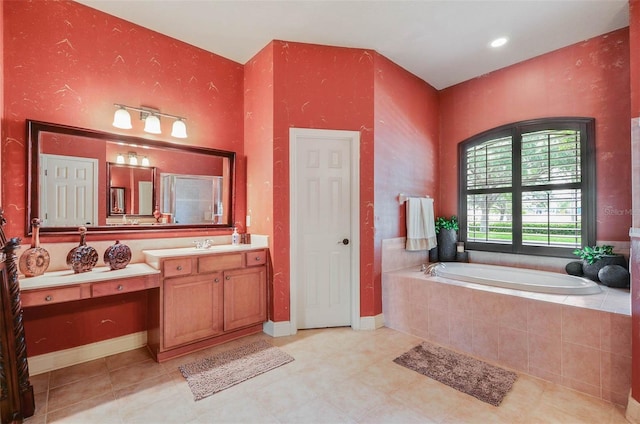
pixel 431 268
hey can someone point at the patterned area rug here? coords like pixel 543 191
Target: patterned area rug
pixel 216 373
pixel 476 378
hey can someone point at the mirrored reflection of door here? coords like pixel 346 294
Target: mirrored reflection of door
pixel 117 204
pixel 68 196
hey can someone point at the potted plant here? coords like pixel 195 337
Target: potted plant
pixel 594 258
pixel 447 234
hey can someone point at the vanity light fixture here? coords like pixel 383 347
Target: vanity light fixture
pixel 145 161
pixel 151 118
pixel 133 158
pixel 120 158
pixel 122 118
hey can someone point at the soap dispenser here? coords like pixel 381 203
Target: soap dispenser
pixel 235 237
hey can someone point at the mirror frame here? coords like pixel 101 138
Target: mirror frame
pixel 35 128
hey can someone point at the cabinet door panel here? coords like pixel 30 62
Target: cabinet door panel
pixel 192 308
pixel 245 297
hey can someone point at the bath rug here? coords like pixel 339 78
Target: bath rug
pixel 221 371
pixel 468 375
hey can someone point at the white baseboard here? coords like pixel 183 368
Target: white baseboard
pixel 286 328
pixel 63 358
pixel 633 410
pixel 278 329
pixel 371 323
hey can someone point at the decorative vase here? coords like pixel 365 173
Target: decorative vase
pixel 447 239
pixel 590 271
pixel 82 258
pixel 117 256
pixel 34 261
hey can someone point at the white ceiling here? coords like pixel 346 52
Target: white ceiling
pixel 443 42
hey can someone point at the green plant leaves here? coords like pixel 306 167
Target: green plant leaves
pixel 447 224
pixel 592 254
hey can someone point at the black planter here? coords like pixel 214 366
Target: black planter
pixel 447 245
pixel 590 271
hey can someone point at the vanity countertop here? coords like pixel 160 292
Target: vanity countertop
pixel 153 256
pixel 67 277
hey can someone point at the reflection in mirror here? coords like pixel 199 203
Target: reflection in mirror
pixel 117 205
pixel 139 186
pixel 190 199
pixel 85 158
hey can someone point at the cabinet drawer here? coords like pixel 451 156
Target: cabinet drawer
pixel 46 297
pixel 219 262
pixel 258 257
pixel 124 285
pixel 175 267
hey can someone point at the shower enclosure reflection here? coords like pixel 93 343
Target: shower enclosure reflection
pixel 190 199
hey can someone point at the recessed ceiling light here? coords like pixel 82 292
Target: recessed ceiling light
pixel 498 42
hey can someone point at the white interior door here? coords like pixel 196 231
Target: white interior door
pixel 324 228
pixel 145 196
pixel 68 196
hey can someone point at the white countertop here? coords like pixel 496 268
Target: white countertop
pixel 191 251
pixel 67 277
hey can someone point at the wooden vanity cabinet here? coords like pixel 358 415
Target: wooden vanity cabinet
pixel 211 298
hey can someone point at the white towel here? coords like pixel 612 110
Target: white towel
pixel 421 230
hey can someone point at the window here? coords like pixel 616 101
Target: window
pixel 529 187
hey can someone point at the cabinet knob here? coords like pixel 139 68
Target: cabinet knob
pixel 179 267
pixel 120 287
pixel 49 298
pixel 228 277
pixel 258 258
pixel 216 280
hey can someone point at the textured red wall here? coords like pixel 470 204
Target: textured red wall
pixel 406 153
pixel 66 325
pixel 586 79
pixel 634 260
pixel 634 48
pixel 68 63
pixel 326 88
pixel 258 130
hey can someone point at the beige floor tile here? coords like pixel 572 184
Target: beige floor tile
pixel 67 395
pixel 338 376
pixel 133 374
pixel 100 409
pixel 125 359
pixel 78 372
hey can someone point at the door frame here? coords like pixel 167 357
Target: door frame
pixel 354 138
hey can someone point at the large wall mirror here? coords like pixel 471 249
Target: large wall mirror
pixel 115 183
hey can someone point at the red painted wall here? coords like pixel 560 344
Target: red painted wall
pixel 64 62
pixel 406 154
pixel 258 130
pixel 66 325
pixel 326 88
pixel 68 63
pixel 634 48
pixel 634 260
pixel 586 79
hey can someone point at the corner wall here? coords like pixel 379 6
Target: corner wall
pixel 589 79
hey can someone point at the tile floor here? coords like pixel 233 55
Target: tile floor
pixel 338 376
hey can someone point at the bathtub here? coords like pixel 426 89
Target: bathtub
pixel 515 278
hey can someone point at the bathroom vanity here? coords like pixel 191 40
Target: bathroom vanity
pixel 207 297
pixel 195 297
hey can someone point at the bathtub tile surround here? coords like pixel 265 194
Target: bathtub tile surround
pixel 586 348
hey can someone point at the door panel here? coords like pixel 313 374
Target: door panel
pixel 323 221
pixel 70 190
